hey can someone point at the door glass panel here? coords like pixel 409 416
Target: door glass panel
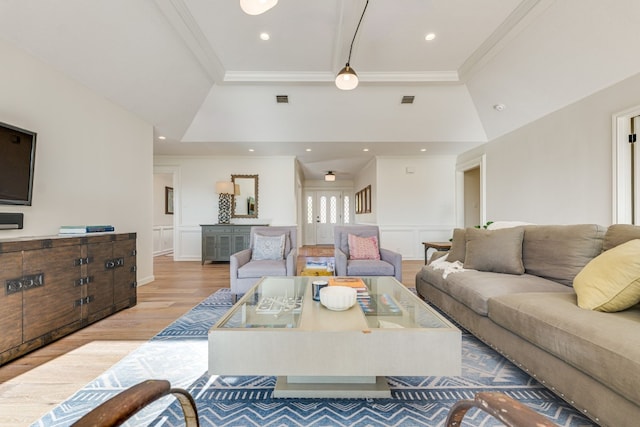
pixel 333 209
pixel 309 209
pixel 345 201
pixel 323 210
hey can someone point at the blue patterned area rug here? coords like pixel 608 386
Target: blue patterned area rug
pixel 179 354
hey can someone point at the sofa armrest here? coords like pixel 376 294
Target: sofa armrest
pixel 395 259
pixel 341 263
pixel 237 260
pixel 291 262
pixel 436 255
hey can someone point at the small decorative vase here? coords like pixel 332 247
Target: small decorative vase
pixel 224 208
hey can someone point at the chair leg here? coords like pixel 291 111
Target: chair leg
pixel 122 406
pixel 509 411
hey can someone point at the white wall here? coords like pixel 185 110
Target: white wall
pixel 93 159
pixel 196 201
pixel 367 176
pixel 557 170
pixel 413 200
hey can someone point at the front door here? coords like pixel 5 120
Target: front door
pixel 323 211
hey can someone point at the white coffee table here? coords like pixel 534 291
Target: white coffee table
pixel 316 352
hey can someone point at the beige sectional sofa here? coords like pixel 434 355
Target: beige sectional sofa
pixel 524 305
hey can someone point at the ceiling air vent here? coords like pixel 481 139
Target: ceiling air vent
pixel 407 99
pixel 282 99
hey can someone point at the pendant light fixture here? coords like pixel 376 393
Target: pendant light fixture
pixel 256 7
pixel 347 79
pixel 329 176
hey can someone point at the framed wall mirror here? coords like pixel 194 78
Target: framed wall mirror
pixel 245 202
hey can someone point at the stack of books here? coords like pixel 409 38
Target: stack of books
pixel 352 282
pixel 380 305
pixel 84 229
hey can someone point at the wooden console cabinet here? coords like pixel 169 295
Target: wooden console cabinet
pixel 53 286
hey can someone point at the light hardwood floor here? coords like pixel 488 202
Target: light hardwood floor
pixel 34 384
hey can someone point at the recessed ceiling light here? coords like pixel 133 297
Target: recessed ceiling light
pixel 264 36
pixel 365 149
pixel 430 37
pixel 499 107
pixel 251 150
pixel 308 149
pixel 423 149
pixel 162 137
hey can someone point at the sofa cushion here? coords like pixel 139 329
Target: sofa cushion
pixel 499 251
pixel 475 288
pixel 369 267
pixel 603 345
pixel 618 234
pixel 268 247
pixel 458 246
pixel 363 247
pixel 559 252
pixel 262 268
pixel 611 281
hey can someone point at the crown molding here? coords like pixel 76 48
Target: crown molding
pixel 518 20
pixel 181 19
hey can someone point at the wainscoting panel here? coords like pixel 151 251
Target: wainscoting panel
pixel 408 239
pixel 189 243
pixel 162 239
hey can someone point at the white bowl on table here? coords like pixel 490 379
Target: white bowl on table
pixel 338 298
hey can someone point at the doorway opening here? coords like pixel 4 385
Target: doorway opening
pixel 471 193
pixel 323 210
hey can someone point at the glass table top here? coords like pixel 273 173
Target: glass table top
pixel 283 302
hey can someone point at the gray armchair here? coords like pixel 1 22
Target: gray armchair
pixel 246 271
pixel 390 263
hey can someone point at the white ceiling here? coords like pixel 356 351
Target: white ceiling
pixel 198 71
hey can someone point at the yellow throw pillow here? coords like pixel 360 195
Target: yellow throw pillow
pixel 611 281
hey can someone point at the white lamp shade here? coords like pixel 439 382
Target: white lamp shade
pixel 330 176
pixel 225 187
pixel 347 79
pixel 256 7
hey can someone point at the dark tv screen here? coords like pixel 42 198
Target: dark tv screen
pixel 17 160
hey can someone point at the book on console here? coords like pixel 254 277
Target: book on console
pixel 72 229
pixel 99 228
pixel 83 229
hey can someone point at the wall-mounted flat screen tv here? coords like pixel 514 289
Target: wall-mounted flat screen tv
pixel 17 160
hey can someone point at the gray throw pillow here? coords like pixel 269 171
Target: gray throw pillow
pixel 268 247
pixel 458 246
pixel 499 251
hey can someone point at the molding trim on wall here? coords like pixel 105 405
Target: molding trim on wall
pixel 146 280
pixel 162 239
pixel 407 239
pixel 621 166
pixel 188 243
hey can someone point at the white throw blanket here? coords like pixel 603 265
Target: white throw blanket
pixel 446 266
